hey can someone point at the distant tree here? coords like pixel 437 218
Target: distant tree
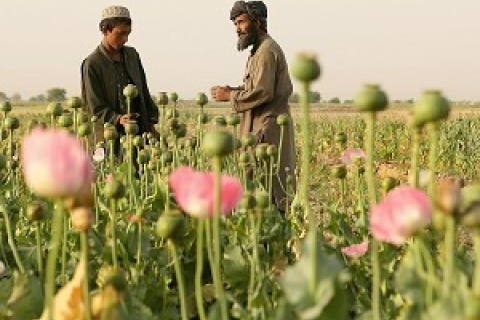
pixel 334 100
pixel 16 97
pixel 409 101
pixel 56 94
pixel 38 98
pixel 348 101
pixel 294 98
pixel 313 97
pixel 3 96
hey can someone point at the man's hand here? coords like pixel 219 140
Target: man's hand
pixel 126 118
pixel 220 93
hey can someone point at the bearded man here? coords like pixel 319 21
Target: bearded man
pixel 265 91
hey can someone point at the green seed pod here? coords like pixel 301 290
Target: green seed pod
pixel 341 138
pixel 261 151
pixel 114 189
pixel 131 128
pixel 181 131
pixel 431 107
pixel 248 140
pixel 217 143
pixel 220 121
pixel 306 68
pixel 65 120
pixel 244 158
pixel 233 119
pixel 74 103
pixel 174 97
pixel 84 130
pixel 82 117
pixel 167 157
pixel 248 201
pixel 11 123
pixel 35 211
pixel 137 141
pixel 130 91
pixel 262 199
pixel 339 171
pixel 169 224
pixel 94 119
pixel 173 124
pixel 282 120
pixel 5 106
pixel 110 133
pixel 55 109
pixel 201 99
pixel 389 183
pixel 162 98
pixel 172 113
pixel 371 99
pixel 272 151
pixel 203 118
pixel 143 157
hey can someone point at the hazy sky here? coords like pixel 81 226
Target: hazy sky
pixel 188 46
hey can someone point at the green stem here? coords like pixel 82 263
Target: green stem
pixel 64 248
pixel 113 212
pixel 139 244
pixel 280 147
pixel 304 181
pixel 476 277
pixel 38 230
pixel 2 249
pixel 433 136
pixel 216 235
pixel 181 285
pixel 255 257
pixel 415 156
pixel 369 170
pixel 449 254
pixel 86 290
pixel 11 240
pixel 199 271
pixel 52 257
pixel 375 281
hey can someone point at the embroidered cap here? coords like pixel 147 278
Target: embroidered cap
pixel 115 12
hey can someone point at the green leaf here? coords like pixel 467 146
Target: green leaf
pixel 235 267
pixel 329 301
pixel 26 299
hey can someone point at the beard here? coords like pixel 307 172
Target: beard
pixel 247 38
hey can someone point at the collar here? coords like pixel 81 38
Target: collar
pixel 259 42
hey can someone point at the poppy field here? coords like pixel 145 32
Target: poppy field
pixel 381 219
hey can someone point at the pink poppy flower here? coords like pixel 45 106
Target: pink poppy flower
pixel 99 155
pixel 356 250
pixel 403 212
pixel 55 164
pixel 350 156
pixel 194 191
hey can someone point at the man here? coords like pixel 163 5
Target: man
pixel 265 91
pixel 110 68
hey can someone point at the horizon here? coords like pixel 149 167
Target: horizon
pixel 406 46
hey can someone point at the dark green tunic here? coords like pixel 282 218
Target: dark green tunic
pixel 103 81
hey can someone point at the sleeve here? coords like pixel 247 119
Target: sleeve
pixel 151 106
pixel 95 99
pixel 262 89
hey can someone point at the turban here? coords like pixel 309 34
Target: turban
pixel 255 9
